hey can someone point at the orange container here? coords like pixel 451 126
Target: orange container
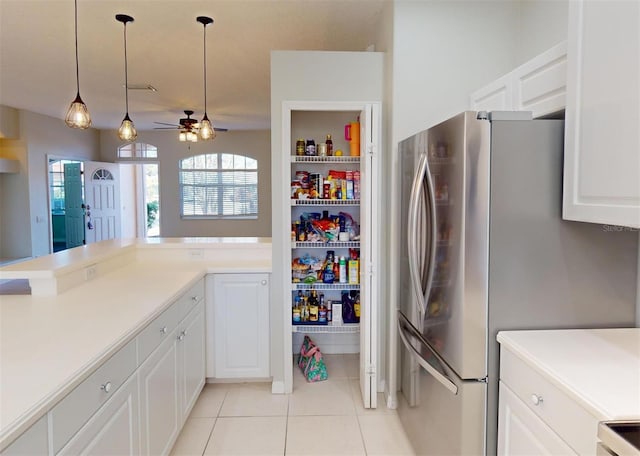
pixel 352 134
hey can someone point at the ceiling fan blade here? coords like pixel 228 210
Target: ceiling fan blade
pixel 166 128
pixel 220 129
pixel 165 123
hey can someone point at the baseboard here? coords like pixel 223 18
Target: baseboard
pixel 277 387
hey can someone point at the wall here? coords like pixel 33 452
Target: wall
pixel 346 76
pixel 254 144
pixel 542 25
pixel 25 200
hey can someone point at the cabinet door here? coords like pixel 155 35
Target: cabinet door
pixel 602 162
pixel 241 325
pixel 521 432
pixel 496 96
pixel 191 359
pixel 34 441
pixel 540 83
pixel 159 399
pixel 113 429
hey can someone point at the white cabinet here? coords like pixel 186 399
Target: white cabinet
pixel 33 442
pixel 239 313
pixel 521 432
pixel 170 381
pixel 538 85
pixel 191 359
pixel 113 429
pixel 602 144
pixel 537 417
pixel 159 413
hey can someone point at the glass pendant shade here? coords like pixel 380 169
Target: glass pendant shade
pixel 127 131
pixel 182 136
pixel 78 114
pixel 206 129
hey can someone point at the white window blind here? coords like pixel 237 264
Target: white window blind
pixel 219 186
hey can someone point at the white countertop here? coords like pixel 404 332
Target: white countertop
pixel 49 344
pixel 600 368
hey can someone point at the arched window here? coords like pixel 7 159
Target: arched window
pixel 219 186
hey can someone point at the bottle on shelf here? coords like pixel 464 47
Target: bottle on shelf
pixel 328 276
pixel 314 306
pixel 329 143
pixel 342 267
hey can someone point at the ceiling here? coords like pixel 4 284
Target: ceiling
pixel 165 50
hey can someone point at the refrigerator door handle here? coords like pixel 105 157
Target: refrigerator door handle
pixel 446 382
pixel 433 231
pixel 412 233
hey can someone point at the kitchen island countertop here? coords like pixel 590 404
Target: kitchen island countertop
pixel 50 344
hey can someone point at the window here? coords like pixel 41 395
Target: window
pixel 139 152
pixel 219 186
pixel 56 184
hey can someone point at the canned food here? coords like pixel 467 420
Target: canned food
pixel 300 147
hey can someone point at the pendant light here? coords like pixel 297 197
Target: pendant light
pixel 127 131
pixel 77 114
pixel 206 129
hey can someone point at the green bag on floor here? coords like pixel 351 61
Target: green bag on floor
pixel 311 362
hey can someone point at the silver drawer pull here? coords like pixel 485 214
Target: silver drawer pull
pixel 194 298
pixel 182 334
pixel 264 282
pixel 163 330
pixel 537 400
pixel 106 387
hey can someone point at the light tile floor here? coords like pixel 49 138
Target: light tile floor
pixel 324 418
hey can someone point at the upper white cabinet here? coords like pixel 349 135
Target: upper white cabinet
pixel 538 85
pixel 602 143
pixel 239 312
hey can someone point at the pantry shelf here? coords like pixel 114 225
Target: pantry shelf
pixel 324 245
pixel 346 328
pixel 332 159
pixel 324 202
pixel 324 286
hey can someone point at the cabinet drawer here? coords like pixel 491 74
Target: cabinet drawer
pixel 560 412
pixel 160 328
pixel 190 298
pixel 70 414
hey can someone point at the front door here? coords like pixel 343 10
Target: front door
pixel 74 209
pixel 102 199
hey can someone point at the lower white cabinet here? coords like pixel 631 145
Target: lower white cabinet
pixel 521 432
pixel 170 381
pixel 113 429
pixel 238 313
pixel 34 442
pixel 537 417
pixel 159 399
pixel 191 359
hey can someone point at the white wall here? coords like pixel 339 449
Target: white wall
pixel 295 76
pixel 255 144
pixel 25 196
pixel 541 25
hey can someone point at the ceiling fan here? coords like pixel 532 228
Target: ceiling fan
pixel 188 127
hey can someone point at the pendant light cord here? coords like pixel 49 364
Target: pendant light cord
pixel 205 68
pixel 77 65
pixel 126 77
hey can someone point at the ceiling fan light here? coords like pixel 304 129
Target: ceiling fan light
pixel 78 115
pixel 192 137
pixel 182 136
pixel 127 131
pixel 206 129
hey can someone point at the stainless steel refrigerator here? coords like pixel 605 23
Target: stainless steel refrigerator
pixel 484 249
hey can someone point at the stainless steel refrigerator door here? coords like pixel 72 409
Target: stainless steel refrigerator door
pixel 455 321
pixel 441 414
